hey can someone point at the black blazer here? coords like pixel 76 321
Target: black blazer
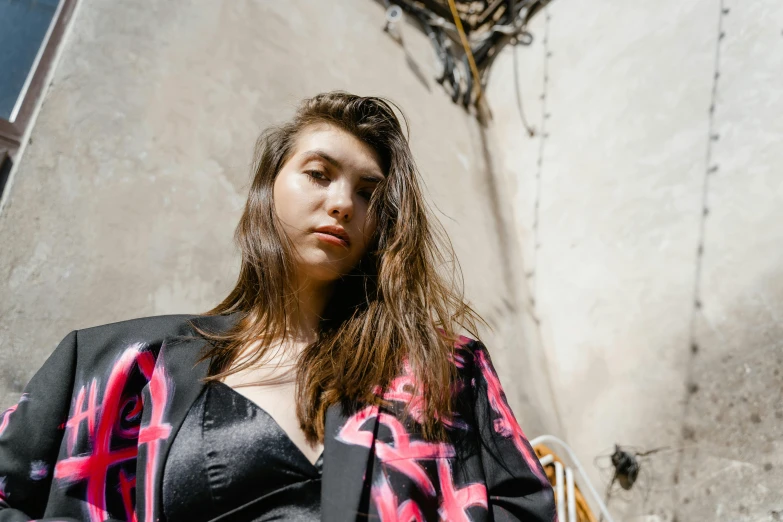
pixel 89 438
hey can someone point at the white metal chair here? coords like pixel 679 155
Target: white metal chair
pixel 566 476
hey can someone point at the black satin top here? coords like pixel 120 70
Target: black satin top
pixel 231 458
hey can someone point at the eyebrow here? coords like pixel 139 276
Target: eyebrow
pixel 318 153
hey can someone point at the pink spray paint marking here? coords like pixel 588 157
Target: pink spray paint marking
pixel 81 413
pixel 389 508
pixel 94 467
pixel 506 424
pixel 146 362
pixel 133 408
pixel 351 432
pixel 461 351
pixel 459 347
pixel 402 455
pixel 39 470
pixel 404 388
pixel 153 433
pixel 454 501
pixel 6 415
pixel 133 405
pixel 127 485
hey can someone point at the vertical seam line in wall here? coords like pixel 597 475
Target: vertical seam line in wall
pixel 533 274
pixel 540 163
pixel 693 347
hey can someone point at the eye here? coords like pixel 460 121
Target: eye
pixel 316 175
pixel 366 194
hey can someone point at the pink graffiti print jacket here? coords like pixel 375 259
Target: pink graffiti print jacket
pixel 89 437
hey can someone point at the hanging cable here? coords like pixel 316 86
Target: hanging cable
pixel 517 90
pixel 482 31
pixel 468 52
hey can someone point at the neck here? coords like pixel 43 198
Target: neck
pixel 310 300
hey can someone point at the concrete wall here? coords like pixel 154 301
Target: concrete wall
pixel 124 202
pixel 649 209
pixel 608 251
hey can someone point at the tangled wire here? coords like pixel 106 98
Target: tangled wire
pixel 467 36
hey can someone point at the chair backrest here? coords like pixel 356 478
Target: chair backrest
pixel 574 493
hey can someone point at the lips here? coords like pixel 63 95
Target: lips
pixel 335 231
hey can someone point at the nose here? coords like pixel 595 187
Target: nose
pixel 340 201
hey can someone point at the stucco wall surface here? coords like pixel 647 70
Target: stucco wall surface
pixel 648 206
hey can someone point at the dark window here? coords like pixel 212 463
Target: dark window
pixel 30 32
pixel 23 28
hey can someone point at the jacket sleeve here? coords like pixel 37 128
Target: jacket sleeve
pixel 517 486
pixel 30 435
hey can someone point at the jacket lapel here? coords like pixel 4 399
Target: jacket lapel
pixel 174 386
pixel 176 383
pixel 349 443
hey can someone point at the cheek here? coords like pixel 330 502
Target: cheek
pixel 279 194
pixel 368 231
pixel 276 203
pixel 369 228
pixel 290 200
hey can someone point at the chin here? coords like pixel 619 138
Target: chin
pixel 325 272
pixel 326 264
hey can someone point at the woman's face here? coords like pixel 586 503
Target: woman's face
pixel 323 191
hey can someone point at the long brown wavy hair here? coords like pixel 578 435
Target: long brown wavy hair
pixel 402 302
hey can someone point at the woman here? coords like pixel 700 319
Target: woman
pixel 330 384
